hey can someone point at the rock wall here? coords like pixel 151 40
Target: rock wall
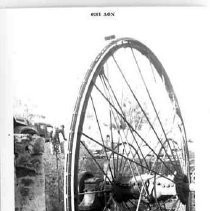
pixel 29 173
pixel 38 175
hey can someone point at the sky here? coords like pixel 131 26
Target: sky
pixel 50 50
pixel 49 54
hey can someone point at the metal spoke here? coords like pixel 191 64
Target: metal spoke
pixel 101 134
pixel 132 127
pixel 136 153
pixel 139 200
pixel 143 186
pixel 176 152
pixel 120 135
pixel 132 203
pixel 133 161
pixel 107 203
pixel 127 206
pixel 125 117
pixel 110 116
pixel 110 99
pixel 139 105
pixel 95 161
pixel 173 206
pixel 114 120
pixel 152 102
pixel 118 142
pixel 177 208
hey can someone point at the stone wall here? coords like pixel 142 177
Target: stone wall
pixel 29 173
pixel 38 175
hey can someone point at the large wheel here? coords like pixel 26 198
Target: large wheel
pixel 128 113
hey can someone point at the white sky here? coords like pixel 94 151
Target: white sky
pixel 49 51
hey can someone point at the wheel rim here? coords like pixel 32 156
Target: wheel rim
pixel 121 113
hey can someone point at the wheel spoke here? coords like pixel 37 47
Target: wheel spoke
pixel 143 186
pixel 132 127
pixel 136 153
pixel 118 119
pixel 112 143
pixel 140 106
pixel 108 203
pixel 132 203
pixel 110 114
pixel 118 142
pixel 178 206
pixel 126 206
pixel 174 205
pixel 97 164
pixel 133 161
pixel 101 135
pixel 120 138
pixel 151 100
pixel 107 93
pixel 134 138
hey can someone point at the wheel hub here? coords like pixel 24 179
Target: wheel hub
pixel 121 192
